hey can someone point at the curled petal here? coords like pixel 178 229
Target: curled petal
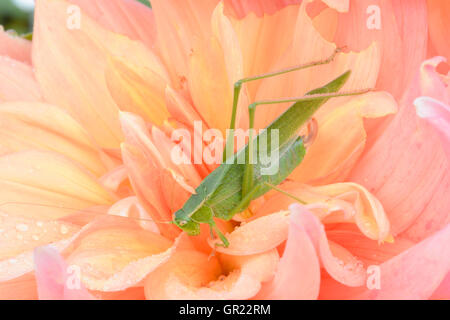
pixel 114 253
pixel 256 236
pixel 413 193
pixel 336 203
pixel 438 115
pixel 298 273
pixel 194 275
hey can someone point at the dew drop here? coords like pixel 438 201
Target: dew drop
pixel 22 227
pixel 64 229
pixel 35 237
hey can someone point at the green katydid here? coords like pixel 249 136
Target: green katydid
pixel 231 187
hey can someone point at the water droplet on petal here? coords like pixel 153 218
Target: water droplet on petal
pixel 64 229
pixel 22 227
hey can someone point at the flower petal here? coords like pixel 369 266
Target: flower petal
pixel 335 203
pixel 438 25
pixel 45 185
pixel 438 115
pixel 25 125
pixel 14 47
pixel 409 189
pixel 195 275
pixel 114 253
pixel 54 278
pixel 178 23
pixel 17 81
pixel 20 235
pixel 127 17
pixel 256 236
pixel 71 55
pixel 341 125
pixel 417 272
pixel 400 34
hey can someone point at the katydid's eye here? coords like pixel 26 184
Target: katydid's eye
pixel 182 223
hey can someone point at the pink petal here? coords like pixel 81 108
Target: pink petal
pixel 438 115
pixel 409 189
pixel 417 272
pixel 298 273
pixel 54 278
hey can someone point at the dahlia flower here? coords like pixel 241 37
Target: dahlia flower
pixel 88 109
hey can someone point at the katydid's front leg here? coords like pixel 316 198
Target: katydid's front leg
pixel 238 86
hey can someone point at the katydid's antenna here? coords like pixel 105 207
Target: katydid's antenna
pixel 75 210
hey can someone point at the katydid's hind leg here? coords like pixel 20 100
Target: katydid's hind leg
pixel 238 87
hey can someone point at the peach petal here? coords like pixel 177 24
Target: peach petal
pixel 60 64
pixel 401 37
pixel 181 278
pixel 32 125
pixel 385 169
pixel 17 81
pixel 178 24
pixel 20 235
pixel 139 91
pixel 209 83
pixel 127 17
pixel 146 181
pixel 180 108
pixel 54 279
pixel 115 253
pixel 438 25
pixel 241 8
pixel 256 236
pixel 131 208
pixel 323 164
pixel 113 179
pixel 22 288
pixel 46 185
pixel 260 42
pixel 14 47
pixel 364 66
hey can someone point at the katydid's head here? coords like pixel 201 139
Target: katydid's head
pixel 185 223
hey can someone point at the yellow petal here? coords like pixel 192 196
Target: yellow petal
pixel 25 125
pixel 46 185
